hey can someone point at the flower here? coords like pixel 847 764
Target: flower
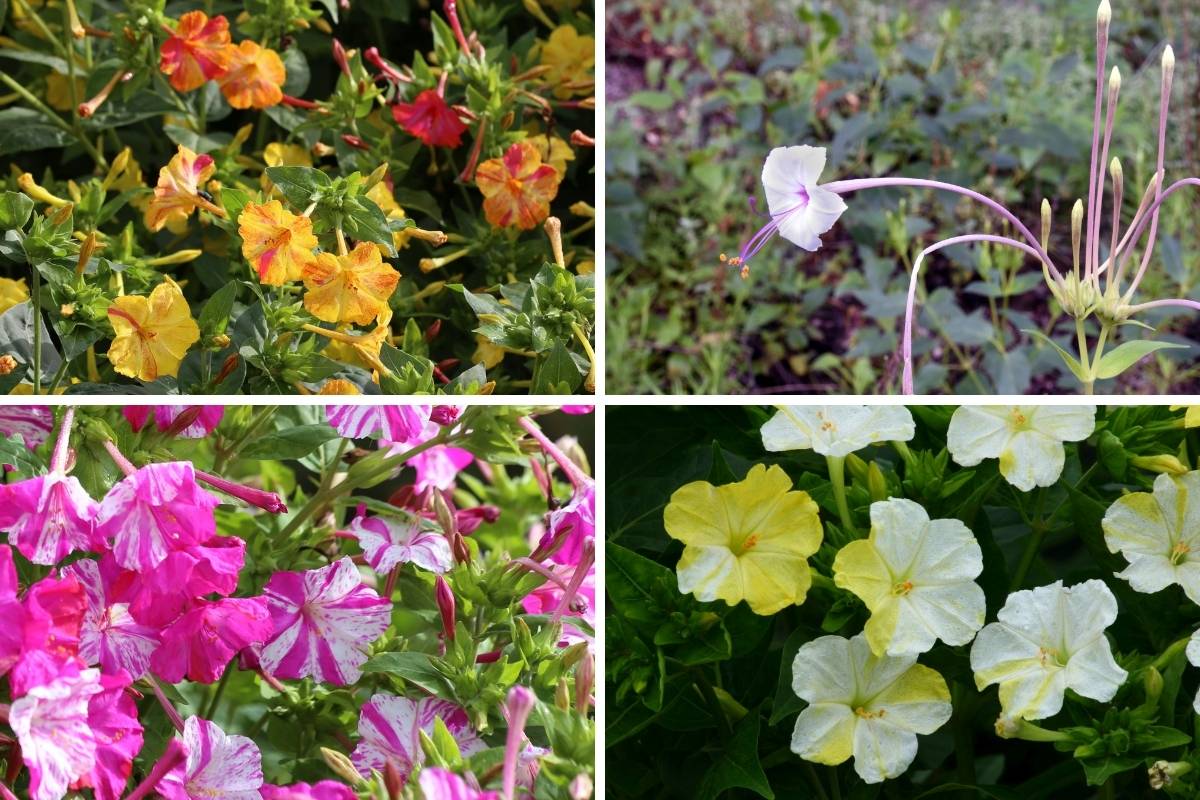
pixel 201 642
pixel 51 725
pixel 154 510
pixel 836 430
pixel 198 51
pixel 517 188
pixel 1193 656
pixel 350 288
pixel 187 422
pixel 109 635
pixel 442 784
pixel 255 76
pixel 321 790
pixel 571 58
pixel 41 631
pixel 218 766
pixel 748 540
pixel 871 707
pixel 32 423
pixel 800 210
pixel 161 595
pixel 1158 534
pixel 392 423
pixel 388 543
pixel 49 517
pixel 1045 641
pixel 430 119
pixel 575 522
pixel 554 151
pixel 277 243
pixel 916 576
pixel 177 193
pixel 324 623
pixel 390 725
pixel 152 333
pixel 1027 439
pixel 12 292
pixel 438 466
pixel 113 720
pixel 546 598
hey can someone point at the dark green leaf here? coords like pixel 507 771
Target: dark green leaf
pixel 214 316
pixel 299 185
pixel 15 209
pixel 738 766
pixel 416 668
pixel 294 442
pixel 556 373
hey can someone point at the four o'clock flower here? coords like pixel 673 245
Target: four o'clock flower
pixel 32 423
pixel 201 642
pixel 917 576
pixel 1193 656
pixel 324 622
pixel 390 726
pixel 1159 535
pixel 321 790
pixel 218 766
pixel 438 467
pixel 442 784
pixel 154 510
pixel 177 193
pixel 186 422
pixel 399 424
pixel 866 706
pixel 388 543
pixel 430 119
pixel 113 720
pixel 1028 440
pixel 275 242
pixel 836 430
pixel 110 636
pixel 196 52
pixel 51 723
pixel 1045 641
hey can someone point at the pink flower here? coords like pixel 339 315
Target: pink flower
pixel 387 543
pixel 49 517
pixel 154 510
pixel 546 599
pixel 325 620
pixel 11 633
pixel 112 718
pixel 201 642
pixel 110 636
pixel 51 724
pixel 445 415
pixel 31 423
pixel 49 619
pixel 322 790
pixel 574 522
pixel 218 766
pixel 442 784
pixel 577 409
pixel 390 725
pixel 187 422
pixel 162 594
pixel 393 423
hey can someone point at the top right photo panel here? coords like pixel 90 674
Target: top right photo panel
pixel 925 197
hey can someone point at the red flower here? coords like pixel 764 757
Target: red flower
pixel 430 120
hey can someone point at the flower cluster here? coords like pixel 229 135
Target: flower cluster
pixel 159 589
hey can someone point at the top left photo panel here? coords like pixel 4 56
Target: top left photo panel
pixel 297 197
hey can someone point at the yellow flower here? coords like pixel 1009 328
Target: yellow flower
pixel 277 243
pixel 517 187
pixel 12 293
pixel 339 386
pixel 748 540
pixel 277 154
pixel 255 77
pixel 152 334
pixel 571 58
pixel 1191 417
pixel 351 288
pixel 487 353
pixel 58 91
pixel 554 151
pixel 177 194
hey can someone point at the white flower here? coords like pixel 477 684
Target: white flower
pixel 1027 439
pixel 836 430
pixel 1193 655
pixel 1159 535
pixel 801 209
pixel 917 576
pixel 1045 641
pixel 863 705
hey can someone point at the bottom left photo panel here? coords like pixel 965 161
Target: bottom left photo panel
pixel 297 602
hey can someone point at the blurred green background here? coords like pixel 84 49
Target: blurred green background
pixel 989 94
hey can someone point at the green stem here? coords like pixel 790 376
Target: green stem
pixel 714 707
pixel 815 780
pixel 1081 338
pixel 1169 654
pixel 217 692
pixel 964 742
pixel 1104 329
pixel 47 112
pixel 835 784
pixel 58 376
pixel 1036 531
pixel 264 414
pixel 837 477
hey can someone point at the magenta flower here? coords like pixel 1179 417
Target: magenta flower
pixel 393 423
pixel 161 595
pixel 442 784
pixel 32 423
pixel 387 543
pixel 438 467
pixel 324 622
pixel 154 510
pixel 48 621
pixel 574 523
pixel 112 718
pixel 218 766
pixel 445 415
pixel 187 422
pixel 390 725
pixel 322 790
pixel 51 724
pixel 11 634
pixel 201 642
pixel 110 636
pixel 577 410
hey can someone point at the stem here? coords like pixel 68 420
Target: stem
pixel 835 783
pixel 1104 329
pixel 1088 385
pixel 171 759
pixel 217 692
pixel 1151 214
pixel 837 477
pixel 816 780
pixel 46 111
pixel 167 705
pixel 714 706
pixel 1032 546
pixel 964 743
pixel 264 414
pixel 572 470
pixel 1169 654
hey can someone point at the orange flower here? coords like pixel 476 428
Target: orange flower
pixel 198 51
pixel 178 192
pixel 277 243
pixel 350 288
pixel 255 77
pixel 517 188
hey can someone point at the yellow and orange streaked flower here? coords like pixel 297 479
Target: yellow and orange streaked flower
pixel 277 243
pixel 152 333
pixel 517 188
pixel 198 51
pixel 554 151
pixel 177 194
pixel 339 386
pixel 255 77
pixel 571 59
pixel 354 287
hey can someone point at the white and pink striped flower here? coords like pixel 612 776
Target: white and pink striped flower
pixel 324 622
pixel 405 424
pixel 110 636
pixel 388 543
pixel 217 766
pixel 390 728
pixel 51 724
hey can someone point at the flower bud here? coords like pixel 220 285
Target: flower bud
pixel 447 607
pixel 1152 682
pixel 562 695
pixel 340 765
pixel 581 787
pixel 1114 80
pixel 445 415
pixel 876 483
pixel 585 678
pixel 517 708
pixel 1168 61
pixel 1103 15
pixel 1164 463
pixel 267 501
pixel 1045 224
pixel 7 364
pixel 393 780
pixel 1076 229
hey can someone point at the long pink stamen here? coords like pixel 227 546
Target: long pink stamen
pixel 1093 238
pixel 581 571
pixel 574 473
pixel 1101 56
pixel 1164 103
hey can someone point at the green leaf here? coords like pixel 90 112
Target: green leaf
pixel 557 373
pixel 637 586
pixel 1112 454
pixel 214 317
pixel 15 209
pixel 1159 737
pixel 1121 358
pixel 21 135
pixel 720 473
pixel 1099 770
pixel 786 702
pixel 738 766
pixel 294 442
pixel 300 185
pixel 1072 363
pixel 416 668
pixel 363 221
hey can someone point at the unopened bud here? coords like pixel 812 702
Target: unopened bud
pixel 375 177
pixel 876 483
pixel 1168 61
pixel 67 309
pixel 585 679
pixel 1114 80
pixel 523 639
pixel 221 341
pixel 581 787
pixel 1152 682
pixel 446 606
pixel 1103 15
pixel 1114 169
pixel 1164 463
pixel 562 696
pixel 1076 228
pixel 554 231
pixel 7 364
pixel 340 765
pixel 393 780
pixel 1045 224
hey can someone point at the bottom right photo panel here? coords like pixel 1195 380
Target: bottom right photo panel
pixel 902 601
